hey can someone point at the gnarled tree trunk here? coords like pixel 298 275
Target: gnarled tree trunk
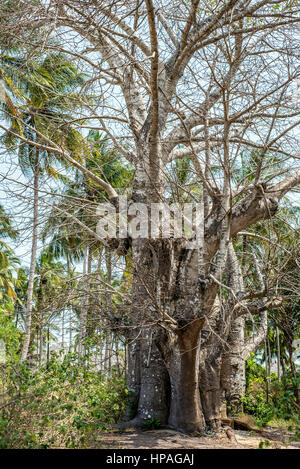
pixel 233 367
pixel 154 396
pixel 211 391
pixel 168 380
pixel 181 355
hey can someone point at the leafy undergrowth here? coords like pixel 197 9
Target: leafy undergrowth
pixel 280 423
pixel 279 405
pixel 60 404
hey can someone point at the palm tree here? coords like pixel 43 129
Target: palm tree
pixel 65 241
pixel 50 285
pixel 8 284
pixel 8 260
pixel 48 89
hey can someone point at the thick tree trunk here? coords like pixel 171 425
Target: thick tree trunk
pixel 237 351
pixel 147 374
pixel 181 354
pixel 147 380
pixel 213 338
pixel 154 387
pixel 133 375
pixel 211 392
pixel 233 372
pixel 161 284
pixel 233 367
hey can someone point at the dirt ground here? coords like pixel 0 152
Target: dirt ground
pixel 168 439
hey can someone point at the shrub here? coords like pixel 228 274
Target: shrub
pixel 60 404
pixel 256 405
pixel 281 402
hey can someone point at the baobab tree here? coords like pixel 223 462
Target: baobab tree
pixel 208 81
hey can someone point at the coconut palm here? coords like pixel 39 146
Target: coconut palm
pixel 44 97
pixel 8 284
pixel 8 260
pixel 79 204
pixel 50 287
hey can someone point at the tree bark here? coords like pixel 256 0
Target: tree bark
pixel 28 319
pixel 211 393
pixel 210 385
pixel 233 367
pixel 234 358
pixel 133 375
pixel 154 386
pixel 163 281
pixel 181 355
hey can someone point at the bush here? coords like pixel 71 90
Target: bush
pixel 281 402
pixel 256 405
pixel 60 404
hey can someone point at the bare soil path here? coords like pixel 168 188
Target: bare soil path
pixel 168 439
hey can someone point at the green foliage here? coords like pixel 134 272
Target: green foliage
pixel 254 401
pixel 152 424
pixel 295 428
pixel 283 396
pixel 40 97
pixel 264 444
pixel 104 161
pixel 254 371
pixel 6 228
pixel 9 334
pixel 60 404
pixel 255 404
pixel 281 402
